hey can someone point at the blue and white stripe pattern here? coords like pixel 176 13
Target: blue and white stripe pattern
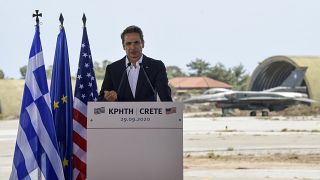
pixel 36 155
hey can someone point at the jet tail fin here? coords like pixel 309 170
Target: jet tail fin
pixel 295 78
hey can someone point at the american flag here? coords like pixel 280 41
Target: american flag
pixel 171 110
pixel 85 90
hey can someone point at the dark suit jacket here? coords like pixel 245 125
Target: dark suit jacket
pixel 156 72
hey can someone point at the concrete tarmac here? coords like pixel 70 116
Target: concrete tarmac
pixel 252 148
pixel 228 137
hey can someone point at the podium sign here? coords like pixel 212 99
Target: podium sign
pixel 135 140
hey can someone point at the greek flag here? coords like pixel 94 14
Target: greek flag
pixel 36 155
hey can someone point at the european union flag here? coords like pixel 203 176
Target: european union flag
pixel 61 99
pixel 36 155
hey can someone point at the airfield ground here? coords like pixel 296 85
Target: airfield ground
pixel 230 148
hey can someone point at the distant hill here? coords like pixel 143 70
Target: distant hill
pixel 11 93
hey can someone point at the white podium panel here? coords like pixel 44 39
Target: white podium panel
pixel 136 141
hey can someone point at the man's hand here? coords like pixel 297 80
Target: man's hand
pixel 110 95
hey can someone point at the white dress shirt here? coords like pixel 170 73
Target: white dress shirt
pixel 133 74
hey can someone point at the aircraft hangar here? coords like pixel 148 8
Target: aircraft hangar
pixel 274 70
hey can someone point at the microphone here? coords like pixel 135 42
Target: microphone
pixel 145 74
pixel 122 77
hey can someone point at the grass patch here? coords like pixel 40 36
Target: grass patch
pixel 295 110
pixel 300 110
pixel 230 149
pixel 227 130
pixel 300 130
pixel 10 97
pixel 211 155
pixel 11 93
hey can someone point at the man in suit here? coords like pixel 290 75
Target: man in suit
pixel 135 77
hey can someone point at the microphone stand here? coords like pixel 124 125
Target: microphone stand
pixel 122 78
pixel 145 74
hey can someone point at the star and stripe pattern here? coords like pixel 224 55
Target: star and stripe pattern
pixel 85 91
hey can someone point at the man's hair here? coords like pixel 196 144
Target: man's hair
pixel 132 29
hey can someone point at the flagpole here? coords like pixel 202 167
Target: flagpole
pixel 84 20
pixel 82 96
pixel 36 154
pixel 61 98
pixel 61 19
pixel 37 14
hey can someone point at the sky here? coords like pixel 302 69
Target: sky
pixel 175 31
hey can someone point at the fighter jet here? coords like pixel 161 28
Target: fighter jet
pixel 275 99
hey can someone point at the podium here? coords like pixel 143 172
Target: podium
pixel 135 140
